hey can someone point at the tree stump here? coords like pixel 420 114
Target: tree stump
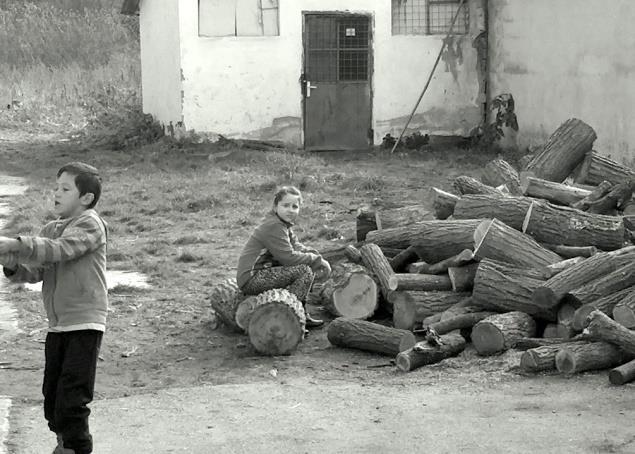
pixel 497 333
pixel 368 336
pixel 276 326
pixel 563 225
pixel 352 294
pixel 601 287
pixel 597 168
pixel 551 191
pixel 498 172
pixel 605 304
pixel 423 282
pixel 224 299
pixel 507 209
pixel 434 240
pixel 443 203
pixel 601 326
pixel 462 277
pixel 411 307
pixel 624 311
pixel 423 354
pixel 623 374
pixel 564 150
pixel 497 241
pixel 582 356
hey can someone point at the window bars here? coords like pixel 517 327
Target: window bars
pixel 427 17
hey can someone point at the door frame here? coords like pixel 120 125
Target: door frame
pixel 371 67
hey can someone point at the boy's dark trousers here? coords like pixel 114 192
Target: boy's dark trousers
pixel 69 383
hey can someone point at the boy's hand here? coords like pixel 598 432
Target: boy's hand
pixel 8 245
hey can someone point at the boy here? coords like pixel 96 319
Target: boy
pixel 69 257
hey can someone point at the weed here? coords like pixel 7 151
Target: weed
pixel 187 257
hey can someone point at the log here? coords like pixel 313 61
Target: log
pixel 497 241
pixel 460 321
pixel 370 219
pixel 498 172
pixel 623 374
pixel 582 356
pixel 508 209
pixel 417 268
pixel 602 327
pixel 559 331
pixel 403 259
pixel 617 198
pixel 390 252
pixel 464 306
pixel 540 358
pixel 224 299
pixel 368 336
pixel 353 294
pixel 353 254
pixel 462 258
pixel 571 251
pixel 554 289
pixel 423 282
pixel 430 319
pixel 558 193
pixel 597 168
pixel 411 307
pixel 597 193
pixel 497 333
pixel 559 267
pixel 601 287
pixel 374 259
pixel 434 240
pixel 605 304
pixel 462 277
pixel 527 343
pixel 563 225
pixel 468 185
pixel 499 287
pixel 423 354
pixel 276 326
pixel 624 311
pixel 563 151
pixel 442 203
pixel 244 311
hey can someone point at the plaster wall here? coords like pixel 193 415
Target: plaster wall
pixel 563 59
pixel 249 86
pixel 160 60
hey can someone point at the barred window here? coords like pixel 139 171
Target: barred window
pixel 428 17
pixel 238 18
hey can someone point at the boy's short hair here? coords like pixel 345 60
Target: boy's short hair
pixel 87 179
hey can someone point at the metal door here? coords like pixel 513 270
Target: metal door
pixel 336 82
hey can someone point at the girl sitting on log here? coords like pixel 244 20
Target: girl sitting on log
pixel 274 258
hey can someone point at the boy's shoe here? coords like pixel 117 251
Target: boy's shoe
pixel 313 322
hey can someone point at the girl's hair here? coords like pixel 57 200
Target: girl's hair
pixel 284 190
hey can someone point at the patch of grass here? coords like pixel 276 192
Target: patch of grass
pixel 187 257
pixel 125 289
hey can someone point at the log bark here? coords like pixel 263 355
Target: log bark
pixel 601 287
pixel 462 258
pixel 551 191
pixel 624 311
pixel 498 172
pixel 411 307
pixel 602 327
pixel 442 203
pixel 564 150
pixel 554 289
pixel 581 356
pixel 497 241
pixel 224 299
pixel 244 311
pixel 597 168
pixel 417 268
pixel 605 304
pixel 460 321
pixel 570 227
pixel 508 209
pixel 376 262
pixel 569 252
pixel 368 336
pixel 403 259
pixel 559 267
pixel 276 325
pixel 423 282
pixel 462 277
pixel 353 294
pixel 559 331
pixel 617 198
pixel 527 343
pixel 369 219
pixel 498 333
pixel 353 254
pixel 539 359
pixel 623 374
pixel 597 193
pixel 497 287
pixel 423 353
pixel 468 185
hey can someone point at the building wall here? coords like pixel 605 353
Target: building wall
pixel 249 86
pixel 563 59
pixel 160 60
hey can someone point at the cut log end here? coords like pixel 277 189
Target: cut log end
pixel 617 378
pixel 625 315
pixel 358 299
pixel 565 362
pixel 274 329
pixel 488 339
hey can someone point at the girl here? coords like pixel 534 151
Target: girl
pixel 274 258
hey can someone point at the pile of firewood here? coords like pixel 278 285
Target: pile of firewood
pixel 539 259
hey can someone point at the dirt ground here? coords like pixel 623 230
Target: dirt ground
pixel 181 215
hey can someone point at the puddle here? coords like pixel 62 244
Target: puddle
pixel 113 279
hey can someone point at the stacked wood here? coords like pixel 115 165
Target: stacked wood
pixel 497 333
pixel 462 258
pixel 623 374
pixel 558 267
pixel 376 262
pixel 601 326
pixel 540 358
pixel 563 225
pixel 378 219
pixel 417 268
pixel 350 292
pixel 571 251
pixel 615 199
pixel 424 353
pixel 602 287
pixel 559 331
pixel 499 172
pixel 605 304
pixel 434 240
pixel 597 168
pixel 224 299
pixel 597 193
pixel 469 185
pixel 423 282
pixel 582 356
pixel 508 209
pixel 442 203
pixel 411 307
pixel 462 277
pixel 526 343
pixel 368 336
pixel 624 311
pixel 551 191
pixel 403 259
pixel 459 321
pixel 353 254
pixel 501 287
pixel 564 150
pixel 497 241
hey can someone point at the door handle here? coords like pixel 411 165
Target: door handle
pixel 308 88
